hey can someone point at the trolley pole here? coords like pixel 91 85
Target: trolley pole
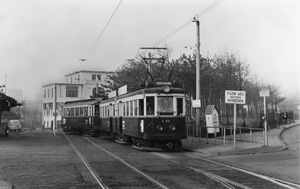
pixel 198 94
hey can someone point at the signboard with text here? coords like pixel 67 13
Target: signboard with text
pixel 235 97
pixel 263 93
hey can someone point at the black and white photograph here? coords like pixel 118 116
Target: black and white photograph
pixel 172 94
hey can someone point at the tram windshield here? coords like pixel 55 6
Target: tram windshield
pixel 165 105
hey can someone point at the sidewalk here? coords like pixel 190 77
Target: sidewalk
pixel 215 146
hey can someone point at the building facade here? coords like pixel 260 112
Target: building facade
pixel 78 85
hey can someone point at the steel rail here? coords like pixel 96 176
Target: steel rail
pixel 99 181
pixel 225 182
pixel 136 170
pixel 279 182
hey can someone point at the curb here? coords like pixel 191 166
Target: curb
pixel 280 135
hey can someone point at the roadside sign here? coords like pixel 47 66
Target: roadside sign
pixel 235 97
pixel 264 93
pixel 196 104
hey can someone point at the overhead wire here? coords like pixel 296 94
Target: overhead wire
pixel 188 22
pixel 103 29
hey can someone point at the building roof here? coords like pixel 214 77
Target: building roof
pixel 12 102
pixel 81 102
pixel 76 84
pixel 89 71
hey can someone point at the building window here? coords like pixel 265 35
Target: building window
pixel 71 91
pixel 96 77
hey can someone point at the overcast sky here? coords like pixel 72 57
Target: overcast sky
pixel 42 40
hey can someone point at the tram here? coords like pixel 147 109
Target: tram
pixel 81 116
pixel 151 118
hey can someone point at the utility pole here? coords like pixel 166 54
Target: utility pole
pixel 55 107
pixel 198 94
pixel 5 85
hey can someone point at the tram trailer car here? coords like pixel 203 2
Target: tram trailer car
pixel 81 116
pixel 151 118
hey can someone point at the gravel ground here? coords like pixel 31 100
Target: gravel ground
pixel 40 159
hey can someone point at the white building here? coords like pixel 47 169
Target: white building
pixel 79 85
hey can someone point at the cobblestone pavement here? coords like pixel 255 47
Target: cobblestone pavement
pixel 32 162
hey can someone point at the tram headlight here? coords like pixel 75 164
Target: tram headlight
pixel 160 128
pixel 172 127
pixel 166 89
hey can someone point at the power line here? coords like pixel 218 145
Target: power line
pixel 103 29
pixel 188 22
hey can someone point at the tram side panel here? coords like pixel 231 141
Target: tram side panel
pixel 77 124
pixel 155 128
pixel 106 126
pixel 130 127
pixel 97 123
pixel 117 125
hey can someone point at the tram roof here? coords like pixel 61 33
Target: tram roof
pixel 82 102
pixel 158 90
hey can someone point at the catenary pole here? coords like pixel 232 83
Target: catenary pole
pixel 55 107
pixel 198 94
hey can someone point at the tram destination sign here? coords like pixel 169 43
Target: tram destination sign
pixel 161 83
pixel 235 97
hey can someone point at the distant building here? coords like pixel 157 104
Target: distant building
pixel 79 85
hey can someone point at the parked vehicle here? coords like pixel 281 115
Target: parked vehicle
pixel 14 125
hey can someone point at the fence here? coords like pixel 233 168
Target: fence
pixel 199 131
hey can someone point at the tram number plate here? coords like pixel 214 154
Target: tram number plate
pixel 166 121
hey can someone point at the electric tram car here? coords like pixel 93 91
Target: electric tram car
pixel 151 118
pixel 81 116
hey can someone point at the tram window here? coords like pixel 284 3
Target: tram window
pixel 81 111
pixel 120 109
pixel 141 107
pixel 165 105
pixel 65 111
pixel 127 108
pixel 117 110
pixel 135 107
pixel 77 111
pixel 72 112
pixel 124 109
pixel 85 111
pixel 131 107
pixel 97 112
pixel 114 110
pixel 150 105
pixel 179 106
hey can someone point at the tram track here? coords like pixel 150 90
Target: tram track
pixel 164 181
pixel 96 177
pixel 279 182
pixel 150 169
pixel 225 182
pixel 104 184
